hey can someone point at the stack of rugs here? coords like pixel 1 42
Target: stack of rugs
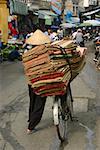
pixel 50 67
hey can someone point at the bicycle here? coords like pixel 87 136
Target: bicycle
pixel 62 112
pixel 63 108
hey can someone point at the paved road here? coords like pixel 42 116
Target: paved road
pixel 83 135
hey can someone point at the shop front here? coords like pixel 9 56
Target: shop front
pixel 4 13
pixel 18 10
pixel 18 7
pixel 46 18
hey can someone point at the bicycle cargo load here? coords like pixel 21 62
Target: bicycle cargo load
pixel 50 67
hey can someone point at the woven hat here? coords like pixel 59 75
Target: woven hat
pixel 38 38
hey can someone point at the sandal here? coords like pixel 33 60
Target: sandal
pixel 31 131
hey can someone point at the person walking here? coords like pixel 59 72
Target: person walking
pixel 36 108
pixel 79 38
pixel 74 35
pixel 37 103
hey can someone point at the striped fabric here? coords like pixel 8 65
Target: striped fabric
pixel 56 6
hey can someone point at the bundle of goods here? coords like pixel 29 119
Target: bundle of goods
pixel 7 50
pixel 50 67
pixel 74 54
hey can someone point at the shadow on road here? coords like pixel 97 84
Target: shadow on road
pixel 62 145
pixel 58 145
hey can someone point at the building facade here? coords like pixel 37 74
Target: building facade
pixel 4 13
pixel 87 3
pixel 72 5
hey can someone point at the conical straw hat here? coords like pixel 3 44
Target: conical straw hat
pixel 38 38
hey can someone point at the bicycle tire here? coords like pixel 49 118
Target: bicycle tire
pixel 70 103
pixel 65 111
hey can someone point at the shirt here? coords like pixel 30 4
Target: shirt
pixel 79 37
pixel 74 35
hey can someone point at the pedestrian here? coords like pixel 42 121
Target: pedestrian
pixel 79 38
pixel 60 33
pixel 74 35
pixel 53 35
pixel 37 103
pixel 36 108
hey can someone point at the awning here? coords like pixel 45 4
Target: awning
pixel 91 12
pixel 74 20
pixel 44 16
pixel 56 6
pixel 84 24
pixel 98 16
pixel 90 23
pixel 33 7
pixel 47 15
pixel 67 25
pixel 93 22
pixel 17 7
pixel 47 12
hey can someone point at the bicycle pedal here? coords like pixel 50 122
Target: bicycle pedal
pixel 75 119
pixel 67 117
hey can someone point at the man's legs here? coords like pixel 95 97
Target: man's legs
pixel 36 115
pixel 32 97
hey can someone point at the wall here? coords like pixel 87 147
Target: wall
pixel 4 12
pixel 69 5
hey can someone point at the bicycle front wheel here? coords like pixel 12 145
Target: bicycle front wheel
pixel 65 112
pixel 62 130
pixel 61 126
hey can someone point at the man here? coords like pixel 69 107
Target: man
pixel 37 103
pixel 79 38
pixel 74 35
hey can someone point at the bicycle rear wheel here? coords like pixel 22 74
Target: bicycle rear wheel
pixel 69 103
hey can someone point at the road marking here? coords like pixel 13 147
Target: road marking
pixel 89 136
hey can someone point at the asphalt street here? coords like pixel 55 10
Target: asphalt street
pixel 14 103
